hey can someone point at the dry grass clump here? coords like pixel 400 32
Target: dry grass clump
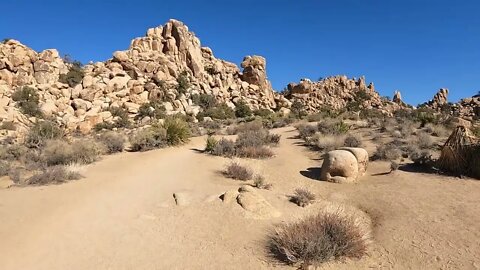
pixel 254 152
pixel 424 141
pixel 238 172
pixel 114 142
pixel 244 127
pixel 224 147
pixel 389 151
pixel 306 131
pixel 436 130
pixel 259 182
pixel 58 152
pixel 41 132
pixel 4 168
pixel 353 140
pixel 327 236
pixel 328 142
pixel 13 152
pixel 303 197
pixel 178 131
pixel 53 175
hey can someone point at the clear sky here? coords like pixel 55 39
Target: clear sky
pixel 416 46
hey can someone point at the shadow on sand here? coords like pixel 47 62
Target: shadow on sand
pixel 312 173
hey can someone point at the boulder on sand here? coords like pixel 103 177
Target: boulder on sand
pixel 362 158
pixel 339 166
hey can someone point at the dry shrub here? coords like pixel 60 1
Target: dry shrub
pixel 53 175
pixel 254 152
pixel 333 127
pixel 329 142
pixel 329 235
pixel 224 147
pixel 259 182
pixel 436 130
pixel 306 131
pixel 422 158
pixel 114 142
pixel 303 197
pixel 256 138
pixel 58 152
pixel 41 132
pixel 353 140
pixel 389 151
pixel 4 168
pixel 424 141
pixel 394 166
pixel 244 127
pixel 13 152
pixel 149 138
pixel 238 172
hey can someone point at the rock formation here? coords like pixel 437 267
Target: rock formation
pixel 149 69
pixel 439 99
pixel 397 97
pixel 336 92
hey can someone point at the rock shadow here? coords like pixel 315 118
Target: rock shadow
pixel 312 173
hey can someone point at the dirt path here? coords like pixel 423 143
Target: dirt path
pixel 122 215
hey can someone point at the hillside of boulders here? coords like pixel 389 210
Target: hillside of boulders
pixel 168 72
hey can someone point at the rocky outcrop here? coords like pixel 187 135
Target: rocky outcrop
pixel 167 64
pixel 397 97
pixel 439 100
pixel 468 108
pixel 336 92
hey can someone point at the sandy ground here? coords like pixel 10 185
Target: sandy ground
pixel 122 215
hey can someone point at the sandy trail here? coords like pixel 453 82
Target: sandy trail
pixel 122 215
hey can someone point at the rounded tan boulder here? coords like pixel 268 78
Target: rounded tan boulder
pixel 362 158
pixel 339 166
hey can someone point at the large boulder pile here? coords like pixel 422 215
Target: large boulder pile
pixel 153 67
pixel 336 92
pixel 439 100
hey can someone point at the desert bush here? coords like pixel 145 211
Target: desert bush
pixel 263 113
pixel 27 100
pixel 58 152
pixel 353 140
pixel 238 172
pixel 394 166
pixel 259 182
pixel 303 197
pixel 121 119
pixel 244 127
pixel 53 175
pixel 8 125
pixel 422 158
pixel 221 112
pixel 389 151
pixel 177 129
pixel 306 131
pixel 211 144
pixel 328 142
pixel 113 141
pixel 225 148
pixel 437 130
pixel 12 152
pixel 74 75
pixel 242 109
pixel 333 127
pixel 205 101
pixel 4 168
pixel 425 115
pixel 298 110
pixel 282 122
pixel 149 138
pixel 152 109
pixel 254 152
pixel 183 82
pixel 318 239
pixel 41 132
pixel 424 140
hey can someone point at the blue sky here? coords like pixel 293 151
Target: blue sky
pixel 414 46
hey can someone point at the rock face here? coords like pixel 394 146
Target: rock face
pixel 362 158
pixel 255 204
pixel 153 67
pixel 468 108
pixel 336 92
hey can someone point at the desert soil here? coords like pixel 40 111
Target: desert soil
pixel 123 215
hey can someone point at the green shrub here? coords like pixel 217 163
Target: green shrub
pixel 205 101
pixel 41 132
pixel 149 138
pixel 114 142
pixel 264 113
pixel 177 130
pixel 221 112
pixel 74 75
pixel 27 100
pixel 298 110
pixel 333 127
pixel 121 114
pixel 242 109
pixel 183 83
pixel 152 109
pixel 211 144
